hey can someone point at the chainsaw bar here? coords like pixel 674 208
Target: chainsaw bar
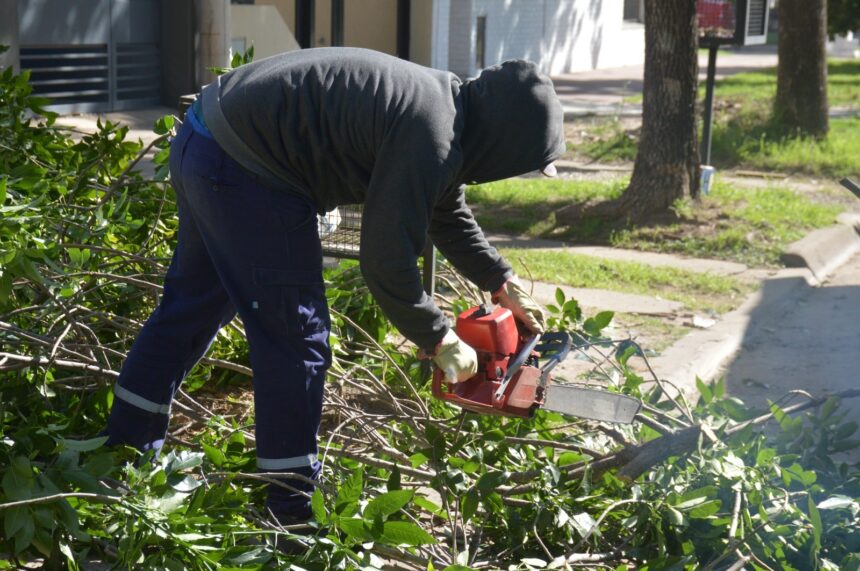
pixel 579 401
pixel 591 403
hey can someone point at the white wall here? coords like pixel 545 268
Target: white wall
pixel 461 38
pixel 562 36
pixel 262 26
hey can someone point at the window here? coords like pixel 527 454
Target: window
pixel 481 42
pixel 633 11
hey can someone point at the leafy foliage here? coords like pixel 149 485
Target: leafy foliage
pixel 84 239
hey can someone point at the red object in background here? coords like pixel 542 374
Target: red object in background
pixel 716 17
pixel 495 338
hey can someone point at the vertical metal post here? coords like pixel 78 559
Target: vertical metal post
pixel 305 23
pixel 428 274
pixel 428 277
pixel 404 18
pixel 708 119
pixel 337 22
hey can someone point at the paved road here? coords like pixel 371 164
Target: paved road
pixel 810 341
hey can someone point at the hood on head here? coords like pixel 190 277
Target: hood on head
pixel 514 122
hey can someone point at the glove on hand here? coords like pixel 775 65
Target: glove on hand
pixel 513 296
pixel 456 359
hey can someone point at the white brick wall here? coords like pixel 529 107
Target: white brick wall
pixel 562 36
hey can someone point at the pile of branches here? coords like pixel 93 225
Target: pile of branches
pixel 408 483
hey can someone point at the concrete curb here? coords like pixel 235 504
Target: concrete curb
pixel 823 250
pixel 705 353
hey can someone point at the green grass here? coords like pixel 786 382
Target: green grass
pixel 751 226
pixel 843 85
pixel 528 206
pixel 746 136
pixel 609 142
pixel 695 290
pixel 748 140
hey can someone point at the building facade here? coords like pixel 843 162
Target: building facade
pixel 102 55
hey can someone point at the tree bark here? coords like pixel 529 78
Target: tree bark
pixel 801 84
pixel 667 162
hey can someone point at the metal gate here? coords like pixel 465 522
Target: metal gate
pixel 92 55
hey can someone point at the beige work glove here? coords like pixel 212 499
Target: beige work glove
pixel 456 359
pixel 513 296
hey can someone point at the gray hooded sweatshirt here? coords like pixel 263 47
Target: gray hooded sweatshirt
pixel 353 126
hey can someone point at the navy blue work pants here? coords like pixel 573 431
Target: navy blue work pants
pixel 243 248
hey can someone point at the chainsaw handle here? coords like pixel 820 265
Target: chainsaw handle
pixel 554 348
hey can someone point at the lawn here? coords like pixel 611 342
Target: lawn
pixel 697 291
pixel 751 226
pixel 745 135
pixel 528 206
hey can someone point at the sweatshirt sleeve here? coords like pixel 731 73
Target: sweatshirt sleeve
pixel 402 190
pixel 458 237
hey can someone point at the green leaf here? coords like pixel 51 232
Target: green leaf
pixel 183 460
pixel 705 510
pixel 184 484
pixel 18 482
pixel 707 395
pixel 491 480
pixel 696 496
pixel 815 519
pixel 594 325
pixel 845 430
pixel 386 504
pixel 3 190
pixel 394 479
pixel 572 310
pixel 426 504
pixel 469 505
pixel 418 459
pixel 215 455
pixel 5 288
pixel 349 493
pixel 83 445
pixel 318 507
pixel 765 457
pixel 14 519
pixel 559 296
pixel 164 124
pixel 675 516
pixel 583 523
pixel 405 533
pixel 494 435
pixel 355 528
pixel 836 502
pixel 24 536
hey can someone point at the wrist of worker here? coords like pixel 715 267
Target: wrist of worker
pixel 429 353
pixel 502 289
pixel 498 283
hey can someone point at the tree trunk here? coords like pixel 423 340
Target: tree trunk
pixel 667 163
pixel 801 85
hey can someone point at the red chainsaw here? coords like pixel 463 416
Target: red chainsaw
pixel 511 381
